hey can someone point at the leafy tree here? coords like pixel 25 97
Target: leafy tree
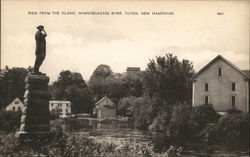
pixel 104 82
pixel 9 120
pixel 143 112
pixel 169 79
pixel 125 105
pixel 71 86
pixel 12 84
pixel 133 84
pixel 98 81
pixel 115 88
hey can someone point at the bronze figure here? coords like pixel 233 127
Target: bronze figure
pixel 40 49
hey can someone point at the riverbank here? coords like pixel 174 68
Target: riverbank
pixel 86 144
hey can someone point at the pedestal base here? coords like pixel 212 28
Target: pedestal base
pixel 35 114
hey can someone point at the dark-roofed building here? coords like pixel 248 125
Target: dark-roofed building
pixel 105 108
pixel 223 85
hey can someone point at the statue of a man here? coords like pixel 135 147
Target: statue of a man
pixel 40 48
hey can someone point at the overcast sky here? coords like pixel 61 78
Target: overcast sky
pixel 82 42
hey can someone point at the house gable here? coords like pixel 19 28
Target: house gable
pixel 216 59
pixel 221 84
pixel 15 105
pixel 105 102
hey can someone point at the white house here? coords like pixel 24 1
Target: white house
pixel 221 84
pixel 15 105
pixel 63 107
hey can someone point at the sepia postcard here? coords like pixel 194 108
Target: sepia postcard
pixel 124 78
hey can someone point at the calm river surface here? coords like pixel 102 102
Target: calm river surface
pixel 161 143
pixel 118 134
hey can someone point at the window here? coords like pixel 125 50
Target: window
pixel 52 105
pixel 233 86
pixel 66 110
pixel 233 101
pixel 219 71
pixel 14 108
pixel 19 108
pixel 206 87
pixel 206 100
pixel 16 102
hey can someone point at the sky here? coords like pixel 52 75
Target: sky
pixel 80 43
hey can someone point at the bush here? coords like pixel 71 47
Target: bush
pixel 234 130
pixel 179 124
pixel 9 120
pixel 77 144
pixel 124 105
pixel 161 121
pixel 233 111
pixel 143 112
pixel 203 115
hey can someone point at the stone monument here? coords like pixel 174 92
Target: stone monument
pixel 36 114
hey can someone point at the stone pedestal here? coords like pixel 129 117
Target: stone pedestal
pixel 35 114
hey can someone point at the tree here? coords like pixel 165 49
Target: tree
pixel 12 84
pixel 71 86
pixel 98 81
pixel 133 84
pixel 169 79
pixel 9 120
pixel 125 105
pixel 143 112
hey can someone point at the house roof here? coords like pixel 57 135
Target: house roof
pixel 247 72
pixel 16 99
pixel 226 61
pixel 98 103
pixel 101 100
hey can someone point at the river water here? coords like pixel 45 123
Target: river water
pixel 117 135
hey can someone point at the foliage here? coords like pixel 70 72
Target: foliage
pixel 232 111
pixel 124 106
pixel 143 112
pixel 169 79
pixel 71 86
pixel 203 115
pixel 234 129
pixel 98 81
pixel 12 84
pixel 104 82
pixel 180 124
pixel 9 120
pixel 77 144
pixel 161 121
pixel 133 84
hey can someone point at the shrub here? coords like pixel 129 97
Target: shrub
pixel 233 111
pixel 161 121
pixel 179 124
pixel 9 120
pixel 234 130
pixel 77 144
pixel 143 112
pixel 203 115
pixel 211 134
